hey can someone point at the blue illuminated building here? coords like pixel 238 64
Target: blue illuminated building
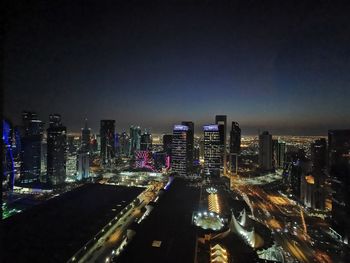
pixel 8 158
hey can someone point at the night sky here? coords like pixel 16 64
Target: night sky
pixel 285 67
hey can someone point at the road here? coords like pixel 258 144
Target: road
pixel 284 218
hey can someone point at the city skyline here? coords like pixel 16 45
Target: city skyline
pixel 268 67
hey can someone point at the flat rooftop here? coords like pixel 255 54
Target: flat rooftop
pixel 56 229
pixel 167 234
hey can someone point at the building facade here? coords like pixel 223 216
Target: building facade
pixel 56 150
pixel 212 150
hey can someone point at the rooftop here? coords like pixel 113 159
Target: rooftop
pixel 167 235
pixel 54 230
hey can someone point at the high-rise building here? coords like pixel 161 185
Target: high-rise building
pixel 107 137
pixel 124 143
pixel 319 154
pixel 265 151
pixel 135 139
pixel 83 165
pixel 83 154
pixel 190 144
pixel 339 170
pixel 85 138
pixel 71 165
pixel 279 154
pixel 56 150
pixel 179 150
pixel 43 162
pixel 221 121
pixel 167 141
pixel 8 159
pixel 235 138
pixel 212 149
pixel 31 147
pixel 146 142
pixel 235 147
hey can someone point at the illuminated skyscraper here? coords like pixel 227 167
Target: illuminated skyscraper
pixel 179 150
pixel 85 138
pixel 56 150
pixel 146 142
pixel 235 147
pixel 315 195
pixel 107 137
pixel 212 149
pixel 265 151
pixel 221 121
pixel 339 170
pixel 31 147
pixel 83 165
pixel 8 161
pixel 135 139
pixel 279 153
pixel 190 144
pixel 124 143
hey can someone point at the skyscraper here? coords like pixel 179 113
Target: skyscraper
pixel 107 137
pixel 235 147
pixel 190 144
pixel 56 150
pixel 85 138
pixel 279 153
pixel 124 143
pixel 83 157
pixel 212 149
pixel 146 142
pixel 319 165
pixel 319 154
pixel 339 170
pixel 135 139
pixel 31 147
pixel 167 141
pixel 221 121
pixel 83 165
pixel 265 151
pixel 8 161
pixel 179 150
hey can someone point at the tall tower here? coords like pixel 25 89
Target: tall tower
pixel 135 139
pixel 31 147
pixel 235 147
pixel 265 151
pixel 212 150
pixel 107 135
pixel 84 153
pixel 221 121
pixel 190 144
pixel 339 170
pixel 85 138
pixel 179 150
pixel 56 150
pixel 146 141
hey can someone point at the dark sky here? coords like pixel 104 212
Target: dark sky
pixel 282 66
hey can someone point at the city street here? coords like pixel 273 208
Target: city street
pixel 285 220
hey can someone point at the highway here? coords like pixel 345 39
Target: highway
pixel 284 218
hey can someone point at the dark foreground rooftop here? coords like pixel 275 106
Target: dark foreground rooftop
pixel 170 224
pixel 54 230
